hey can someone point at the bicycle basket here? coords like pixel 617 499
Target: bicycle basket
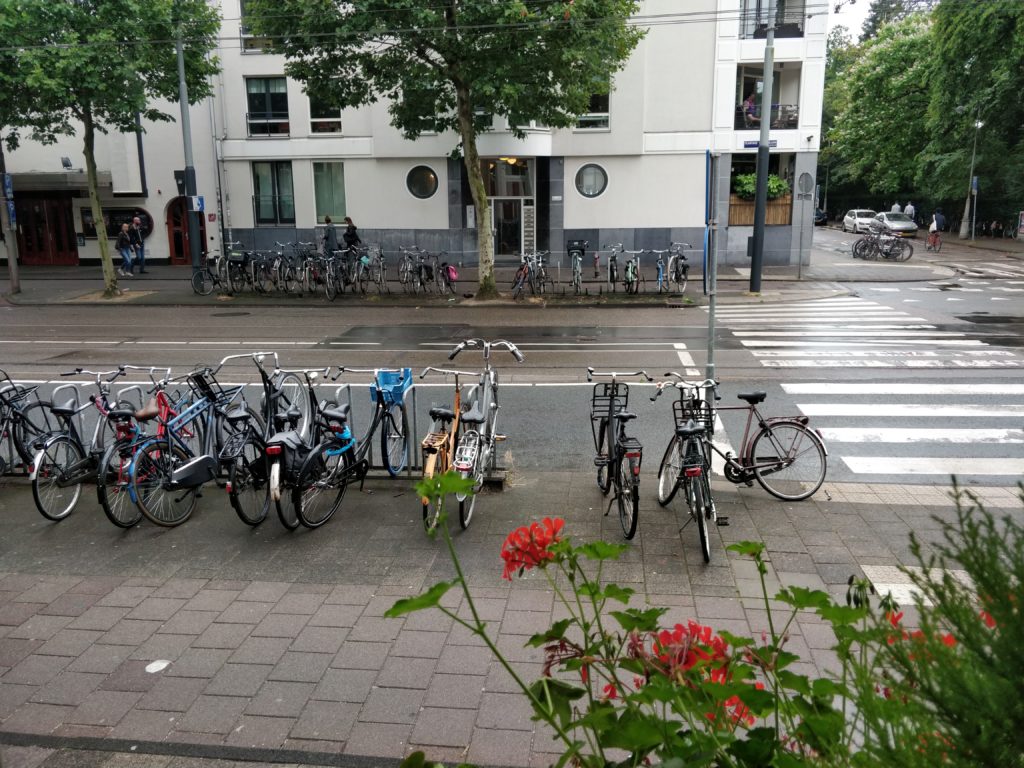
pixel 605 391
pixel 698 410
pixel 393 384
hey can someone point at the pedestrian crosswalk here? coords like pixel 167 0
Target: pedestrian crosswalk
pixel 925 430
pixel 989 269
pixel 853 332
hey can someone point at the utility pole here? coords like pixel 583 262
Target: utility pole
pixel 8 216
pixel 190 171
pixel 711 218
pixel 970 213
pixel 761 190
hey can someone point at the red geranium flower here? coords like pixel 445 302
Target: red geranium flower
pixel 987 618
pixel 527 547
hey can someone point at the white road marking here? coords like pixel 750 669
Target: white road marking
pixel 859 333
pixel 934 342
pixel 687 360
pixel 876 410
pixel 872 363
pixel 897 388
pixel 862 353
pixel 900 465
pixel 886 290
pixel 904 435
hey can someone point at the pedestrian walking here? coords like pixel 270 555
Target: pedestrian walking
pixel 330 237
pixel 910 211
pixel 350 236
pixel 124 247
pixel 138 237
pixel 896 208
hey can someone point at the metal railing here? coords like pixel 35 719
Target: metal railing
pixel 784 117
pixel 789 19
pixel 267 123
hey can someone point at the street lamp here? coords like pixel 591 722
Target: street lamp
pixel 971 213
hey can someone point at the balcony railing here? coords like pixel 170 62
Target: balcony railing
pixel 784 117
pixel 267 123
pixel 789 20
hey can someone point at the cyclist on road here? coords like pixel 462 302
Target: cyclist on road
pixel 938 224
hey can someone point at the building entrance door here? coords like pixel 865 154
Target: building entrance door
pixel 507 225
pixel 177 232
pixel 46 231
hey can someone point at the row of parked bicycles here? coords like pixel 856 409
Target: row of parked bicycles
pixel 152 448
pixel 298 268
pixel 880 242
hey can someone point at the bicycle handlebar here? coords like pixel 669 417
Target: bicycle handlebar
pixel 447 372
pixel 99 374
pixel 486 347
pixel 591 373
pixel 309 373
pixel 342 369
pixel 682 383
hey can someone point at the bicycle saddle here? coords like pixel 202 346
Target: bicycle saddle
pixel 292 416
pixel 442 414
pixel 147 412
pixel 123 414
pixel 68 409
pixel 240 414
pixel 753 397
pixel 625 416
pixel 339 414
pixel 475 415
pixel 689 429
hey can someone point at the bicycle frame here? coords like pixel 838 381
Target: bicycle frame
pixel 439 447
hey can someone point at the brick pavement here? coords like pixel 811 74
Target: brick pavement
pixel 277 645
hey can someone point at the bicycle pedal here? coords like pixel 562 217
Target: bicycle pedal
pixel 722 522
pixel 601 461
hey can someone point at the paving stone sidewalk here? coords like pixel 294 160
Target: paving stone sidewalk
pixel 277 645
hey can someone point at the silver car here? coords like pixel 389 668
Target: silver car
pixel 899 223
pixel 858 220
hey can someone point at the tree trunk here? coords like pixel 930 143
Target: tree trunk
pixel 485 243
pixel 110 289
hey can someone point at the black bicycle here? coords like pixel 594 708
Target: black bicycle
pixel 618 456
pixel 24 420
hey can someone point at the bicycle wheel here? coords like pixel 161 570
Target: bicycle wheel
pixel 394 438
pixel 906 250
pixel 261 278
pixel 669 472
pixel 29 425
pixel 330 287
pixel 604 477
pixel 789 460
pixel 152 467
pixel 54 485
pixel 431 509
pixel 682 279
pixel 247 479
pixel 113 485
pixel 699 498
pixel 629 496
pixel 294 395
pixel 468 503
pixel 320 487
pixel 202 282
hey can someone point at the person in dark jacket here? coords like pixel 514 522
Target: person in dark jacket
pixel 138 235
pixel 350 236
pixel 330 237
pixel 124 247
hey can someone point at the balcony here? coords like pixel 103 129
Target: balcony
pixel 267 123
pixel 789 19
pixel 783 116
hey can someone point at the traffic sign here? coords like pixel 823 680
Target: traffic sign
pixel 8 186
pixel 197 204
pixel 10 213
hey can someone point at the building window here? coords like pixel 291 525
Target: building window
pixel 250 44
pixel 422 182
pixel 322 117
pixel 273 199
pixel 591 180
pixel 789 18
pixel 597 116
pixel 329 190
pixel 785 108
pixel 268 106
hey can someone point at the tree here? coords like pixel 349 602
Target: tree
pixel 884 12
pixel 98 64
pixel 840 54
pixel 881 129
pixel 453 64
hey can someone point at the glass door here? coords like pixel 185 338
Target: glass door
pixel 507 226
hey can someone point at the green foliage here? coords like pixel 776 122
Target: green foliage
pixel 745 186
pixel 884 12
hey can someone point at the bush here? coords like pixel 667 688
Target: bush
pixel 745 186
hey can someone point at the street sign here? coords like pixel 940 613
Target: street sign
pixel 8 186
pixel 755 144
pixel 197 204
pixel 10 213
pixel 974 184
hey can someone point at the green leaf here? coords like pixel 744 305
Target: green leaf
pixel 554 698
pixel 757 748
pixel 736 641
pixel 794 682
pixel 615 592
pixel 555 632
pixel 428 599
pixel 841 615
pixel 635 732
pixel 748 548
pixel 641 621
pixel 803 598
pixel 601 550
pixel 418 760
pixel 439 486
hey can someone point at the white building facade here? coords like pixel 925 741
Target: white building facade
pixel 273 163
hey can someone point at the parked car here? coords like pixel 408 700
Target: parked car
pixel 899 223
pixel 820 217
pixel 858 220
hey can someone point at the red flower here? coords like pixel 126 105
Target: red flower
pixel 527 547
pixel 894 618
pixel 610 692
pixel 948 640
pixel 987 618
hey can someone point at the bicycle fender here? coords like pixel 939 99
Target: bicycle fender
pixel 798 421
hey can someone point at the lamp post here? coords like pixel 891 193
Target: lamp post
pixel 971 213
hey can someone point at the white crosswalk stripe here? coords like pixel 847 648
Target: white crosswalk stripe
pixel 854 332
pixel 923 430
pixel 989 268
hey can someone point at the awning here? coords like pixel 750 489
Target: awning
pixel 62 180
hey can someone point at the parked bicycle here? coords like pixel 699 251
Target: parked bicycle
pixel 632 275
pixel 477 451
pixel 618 457
pixel 577 272
pixel 439 444
pixel 25 418
pixel 339 459
pixel 614 249
pixel 881 243
pixel 212 274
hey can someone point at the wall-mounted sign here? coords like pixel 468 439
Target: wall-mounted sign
pixel 113 218
pixel 211 217
pixel 755 144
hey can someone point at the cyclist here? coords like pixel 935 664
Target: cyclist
pixel 934 231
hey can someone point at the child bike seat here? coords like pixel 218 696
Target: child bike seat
pixel 753 397
pixel 442 414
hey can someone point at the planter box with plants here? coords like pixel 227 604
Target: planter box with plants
pixel 741 202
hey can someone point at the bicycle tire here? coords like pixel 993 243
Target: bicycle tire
pixel 235 280
pixel 467 504
pixel 629 497
pixel 151 467
pixel 394 438
pixel 30 425
pixel 313 491
pixel 113 485
pixel 684 280
pixel 670 471
pixel 52 464
pixel 431 509
pixel 247 479
pixel 294 394
pixel 202 282
pixel 604 475
pixel 330 288
pixel 701 497
pixel 906 251
pixel 800 479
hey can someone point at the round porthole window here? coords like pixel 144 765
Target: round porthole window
pixel 591 180
pixel 422 182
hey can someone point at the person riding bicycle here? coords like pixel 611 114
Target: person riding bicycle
pixel 938 224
